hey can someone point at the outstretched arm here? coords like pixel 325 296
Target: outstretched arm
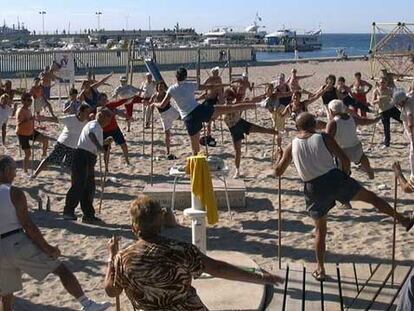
pixel 164 102
pixel 101 82
pixel 305 76
pixel 285 157
pixel 365 121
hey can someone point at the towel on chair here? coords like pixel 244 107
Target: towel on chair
pixel 202 186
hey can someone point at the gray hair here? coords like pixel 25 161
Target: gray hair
pixel 398 97
pixel 6 163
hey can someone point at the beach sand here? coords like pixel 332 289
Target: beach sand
pixel 356 235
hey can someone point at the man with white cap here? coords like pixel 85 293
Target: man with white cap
pixel 343 128
pixel 123 91
pixel 406 104
pixel 149 88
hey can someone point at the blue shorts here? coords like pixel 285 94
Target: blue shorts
pixel 202 113
pixel 117 135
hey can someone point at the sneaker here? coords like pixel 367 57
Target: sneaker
pixel 96 306
pixel 236 174
pixel 67 216
pixel 384 147
pixel 91 220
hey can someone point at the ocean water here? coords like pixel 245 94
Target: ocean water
pixel 353 44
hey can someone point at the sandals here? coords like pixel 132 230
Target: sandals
pixel 319 276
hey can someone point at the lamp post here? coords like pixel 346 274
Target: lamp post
pixel 43 13
pixel 98 14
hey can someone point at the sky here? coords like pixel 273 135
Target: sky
pixel 349 16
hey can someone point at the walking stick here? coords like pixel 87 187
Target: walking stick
pixel 117 300
pixel 152 147
pixel 103 182
pixel 394 229
pixel 279 221
pixel 273 146
pixel 245 139
pixel 205 139
pixel 143 130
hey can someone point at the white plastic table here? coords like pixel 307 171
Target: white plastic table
pixel 219 174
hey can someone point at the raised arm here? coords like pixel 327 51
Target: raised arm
pixel 18 199
pixel 101 82
pixel 369 85
pixel 285 158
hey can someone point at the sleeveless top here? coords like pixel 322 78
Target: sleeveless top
pixel 346 135
pixel 311 157
pixel 328 96
pixel 8 216
pixel 284 100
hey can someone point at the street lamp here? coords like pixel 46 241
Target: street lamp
pixel 43 13
pixel 98 14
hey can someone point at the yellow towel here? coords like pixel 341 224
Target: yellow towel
pixel 202 186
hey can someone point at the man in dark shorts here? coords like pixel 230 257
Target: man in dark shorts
pixel 239 127
pixel 313 155
pixel 193 113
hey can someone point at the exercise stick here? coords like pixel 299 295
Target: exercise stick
pixel 279 221
pixel 103 182
pixel 152 147
pixel 394 228
pixel 205 139
pixel 143 129
pixel 117 300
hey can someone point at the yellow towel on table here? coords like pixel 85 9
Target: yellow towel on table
pixel 202 186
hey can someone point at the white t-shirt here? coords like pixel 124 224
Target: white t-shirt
pixel 85 142
pixel 72 130
pixel 183 95
pixel 5 113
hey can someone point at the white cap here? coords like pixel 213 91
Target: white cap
pixel 398 97
pixel 337 106
pixel 244 75
pixel 217 68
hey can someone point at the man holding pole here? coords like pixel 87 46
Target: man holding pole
pixel 83 168
pixel 313 155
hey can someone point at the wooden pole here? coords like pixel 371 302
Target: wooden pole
pixel 103 180
pixel 245 139
pixel 152 146
pixel 117 300
pixel 273 147
pixel 143 129
pixel 205 139
pixel 279 225
pixel 394 229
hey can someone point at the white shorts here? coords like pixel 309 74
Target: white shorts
pixel 168 117
pixel 18 254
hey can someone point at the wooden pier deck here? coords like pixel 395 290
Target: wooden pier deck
pixel 347 287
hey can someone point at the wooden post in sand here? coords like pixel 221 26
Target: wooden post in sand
pixel 394 228
pixel 143 129
pixel 205 139
pixel 279 221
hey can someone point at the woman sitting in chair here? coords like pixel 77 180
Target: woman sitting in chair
pixel 156 272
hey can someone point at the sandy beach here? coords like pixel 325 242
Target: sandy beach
pixel 358 235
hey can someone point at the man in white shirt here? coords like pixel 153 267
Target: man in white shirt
pixel 313 155
pixel 406 104
pixel 193 113
pixel 23 249
pixel 73 104
pixel 83 169
pixel 67 141
pixel 149 88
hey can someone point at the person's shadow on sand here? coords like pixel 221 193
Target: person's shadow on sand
pixel 22 304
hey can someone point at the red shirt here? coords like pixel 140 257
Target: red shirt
pixel 113 125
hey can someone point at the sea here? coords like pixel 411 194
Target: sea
pixel 353 44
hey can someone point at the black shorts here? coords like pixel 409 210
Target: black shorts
pixel 61 155
pixel 117 135
pixel 322 192
pixel 238 130
pixel 202 113
pixel 24 141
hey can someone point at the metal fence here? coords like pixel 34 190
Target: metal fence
pixel 17 62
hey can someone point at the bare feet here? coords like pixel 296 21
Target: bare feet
pixel 396 166
pixel 319 275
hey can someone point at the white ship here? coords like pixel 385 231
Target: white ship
pixel 293 40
